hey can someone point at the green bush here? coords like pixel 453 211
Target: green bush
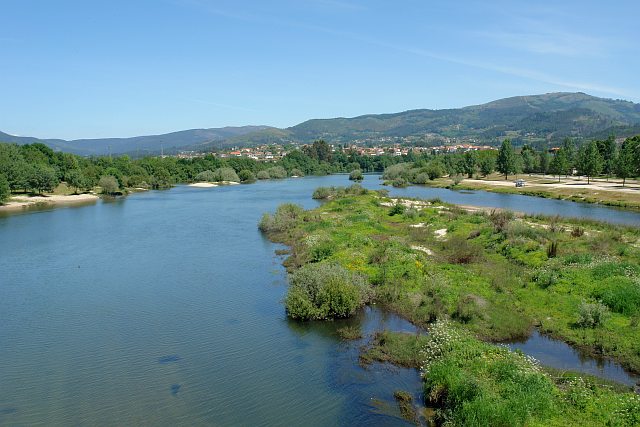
pixel 397 209
pixel 325 291
pixel 620 294
pixel 285 218
pixel 296 172
pixel 206 176
pixel 246 176
pixel 322 193
pixel 399 182
pixel 399 170
pixel 109 185
pixel 277 172
pixel 263 175
pixel 592 315
pixel 356 175
pixel 225 174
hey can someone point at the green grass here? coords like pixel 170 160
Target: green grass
pixel 490 275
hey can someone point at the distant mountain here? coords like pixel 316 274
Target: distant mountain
pixel 549 116
pixel 534 119
pixel 151 144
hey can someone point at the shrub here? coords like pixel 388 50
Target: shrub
pixel 457 179
pixel 396 171
pixel 577 231
pixel 263 175
pixel 296 172
pixel 592 315
pixel 399 182
pixel 277 172
pixel 246 176
pixel 225 174
pixel 322 193
pixel 397 209
pixel 109 185
pixel 324 291
pixel 620 294
pixel 434 170
pixel 421 178
pixel 500 220
pixel 356 190
pixel 356 175
pixel 206 176
pixel 461 251
pixel 284 218
pixel 552 249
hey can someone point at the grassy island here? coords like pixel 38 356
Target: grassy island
pixel 473 278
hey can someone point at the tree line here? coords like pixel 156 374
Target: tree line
pixel 37 169
pixel 591 159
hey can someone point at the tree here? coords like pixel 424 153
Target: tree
pixel 42 178
pixel 356 175
pixel 506 162
pixel 5 191
pixel 109 185
pixel 206 176
pixel 470 163
pixel 569 148
pixel 487 162
pixel 246 176
pixel 544 161
pixel 609 153
pixel 589 160
pixel 625 166
pixel 559 164
pixel 528 156
pixel 76 179
pixel 319 150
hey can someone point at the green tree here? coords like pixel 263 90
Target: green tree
pixel 529 159
pixel 246 176
pixel 609 153
pixel 470 163
pixel 5 191
pixel 589 160
pixel 76 179
pixel 206 176
pixel 544 161
pixel 356 175
pixel 506 162
pixel 625 166
pixel 42 178
pixel 487 162
pixel 559 164
pixel 109 185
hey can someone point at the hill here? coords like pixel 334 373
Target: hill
pixel 530 119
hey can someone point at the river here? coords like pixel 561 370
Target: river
pixel 164 308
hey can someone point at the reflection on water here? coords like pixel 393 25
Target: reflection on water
pixel 164 308
pixel 557 354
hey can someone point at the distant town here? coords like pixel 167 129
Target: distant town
pixel 274 152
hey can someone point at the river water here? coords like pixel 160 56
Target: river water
pixel 164 308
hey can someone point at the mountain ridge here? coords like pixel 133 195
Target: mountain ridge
pixel 528 118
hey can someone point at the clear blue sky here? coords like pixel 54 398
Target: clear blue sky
pixel 84 68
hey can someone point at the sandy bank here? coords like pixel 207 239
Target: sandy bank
pixel 22 202
pixel 203 185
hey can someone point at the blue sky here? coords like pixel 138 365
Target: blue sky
pixel 83 69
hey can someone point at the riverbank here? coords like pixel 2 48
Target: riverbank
pixel 18 203
pixel 572 189
pixel 493 275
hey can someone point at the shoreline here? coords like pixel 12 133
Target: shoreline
pixel 597 192
pixel 18 203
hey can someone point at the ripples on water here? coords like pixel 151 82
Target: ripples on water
pixel 164 308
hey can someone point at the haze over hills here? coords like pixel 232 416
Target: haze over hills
pixel 535 118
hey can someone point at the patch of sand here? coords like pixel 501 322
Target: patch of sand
pixel 440 234
pixel 422 249
pixel 203 185
pixel 22 202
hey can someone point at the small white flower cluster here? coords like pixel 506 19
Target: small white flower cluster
pixel 311 240
pixel 629 409
pixel 442 336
